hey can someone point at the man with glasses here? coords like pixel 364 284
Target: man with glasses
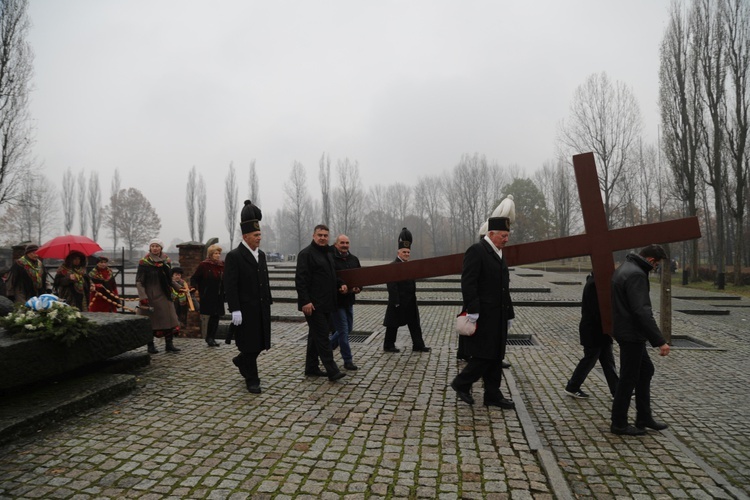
pixel 633 325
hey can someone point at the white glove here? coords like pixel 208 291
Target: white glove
pixel 510 323
pixel 236 318
pixel 473 317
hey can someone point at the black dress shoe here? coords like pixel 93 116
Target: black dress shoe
pixel 628 430
pixel 506 364
pixel 317 372
pixel 336 376
pixel 462 395
pixel 421 349
pixel 212 343
pixel 391 349
pixel 504 403
pixel 651 424
pixel 350 366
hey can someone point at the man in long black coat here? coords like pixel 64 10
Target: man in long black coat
pixel 402 304
pixel 248 294
pixel 485 287
pixel 317 290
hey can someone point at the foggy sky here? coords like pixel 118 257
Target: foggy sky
pixel 405 88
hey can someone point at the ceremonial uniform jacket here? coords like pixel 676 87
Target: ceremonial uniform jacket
pixel 402 302
pixel 485 288
pixel 246 287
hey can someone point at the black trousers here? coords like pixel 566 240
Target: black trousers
pixel 602 354
pixel 415 330
pixel 489 370
pixel 319 344
pixel 248 366
pixel 636 371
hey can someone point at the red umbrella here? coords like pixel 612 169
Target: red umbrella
pixel 60 247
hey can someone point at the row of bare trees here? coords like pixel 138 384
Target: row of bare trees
pixel 704 101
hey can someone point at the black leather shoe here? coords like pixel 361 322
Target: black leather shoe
pixel 391 349
pixel 351 366
pixel 253 387
pixel 315 373
pixel 651 424
pixel 506 364
pixel 152 348
pixel 212 343
pixel 464 396
pixel 421 349
pixel 336 376
pixel 504 403
pixel 628 430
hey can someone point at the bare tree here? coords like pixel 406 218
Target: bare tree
pixel 16 71
pixel 136 220
pixel 555 180
pixel 298 205
pixel 682 114
pixel 201 196
pixel 324 176
pixel 231 203
pixel 605 119
pixel 190 201
pixel 83 209
pixel 379 222
pixel 95 204
pixel 68 196
pixel 471 178
pixel 35 215
pixel 737 18
pixel 428 194
pixel 253 185
pixel 114 189
pixel 348 198
pixel 711 38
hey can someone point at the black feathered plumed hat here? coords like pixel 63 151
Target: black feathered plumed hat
pixel 404 239
pixel 250 218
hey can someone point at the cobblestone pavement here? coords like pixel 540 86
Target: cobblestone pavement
pixel 395 429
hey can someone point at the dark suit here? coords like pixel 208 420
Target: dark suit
pixel 247 290
pixel 316 282
pixel 485 283
pixel 402 310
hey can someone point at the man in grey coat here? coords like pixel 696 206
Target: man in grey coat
pixel 248 296
pixel 633 325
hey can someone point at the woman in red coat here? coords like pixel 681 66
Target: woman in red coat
pixel 103 296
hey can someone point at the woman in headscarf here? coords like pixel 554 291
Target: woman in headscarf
pixel 209 280
pixel 154 283
pixel 72 282
pixel 104 296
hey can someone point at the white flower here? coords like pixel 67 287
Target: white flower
pixel 53 314
pixel 29 326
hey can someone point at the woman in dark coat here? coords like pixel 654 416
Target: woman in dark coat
pixel 248 294
pixel 154 283
pixel 209 280
pixel 72 282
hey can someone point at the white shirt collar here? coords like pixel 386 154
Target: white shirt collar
pixel 254 252
pixel 498 251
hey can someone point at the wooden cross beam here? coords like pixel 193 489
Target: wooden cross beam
pixel 598 242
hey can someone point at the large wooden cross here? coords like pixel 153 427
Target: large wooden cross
pixel 599 242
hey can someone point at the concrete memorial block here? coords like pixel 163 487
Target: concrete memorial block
pixel 6 306
pixel 28 360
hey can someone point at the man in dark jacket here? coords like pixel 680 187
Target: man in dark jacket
pixel 402 304
pixel 343 316
pixel 317 289
pixel 596 345
pixel 633 325
pixel 485 287
pixel 248 296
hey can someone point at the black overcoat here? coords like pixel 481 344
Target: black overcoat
pixel 485 287
pixel 246 287
pixel 315 278
pixel 208 278
pixel 402 302
pixel 590 328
